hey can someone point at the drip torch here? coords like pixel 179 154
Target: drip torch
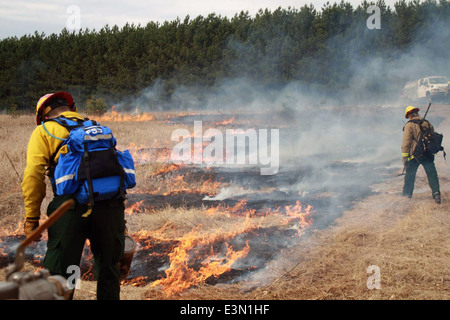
pixel 38 285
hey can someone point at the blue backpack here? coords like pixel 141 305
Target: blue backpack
pixel 93 169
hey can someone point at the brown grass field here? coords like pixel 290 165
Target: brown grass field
pixel 406 238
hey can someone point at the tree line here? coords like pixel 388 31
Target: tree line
pixel 272 48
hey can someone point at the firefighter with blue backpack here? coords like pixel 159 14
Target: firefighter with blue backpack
pixel 101 221
pixel 412 159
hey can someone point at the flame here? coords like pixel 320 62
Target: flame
pixel 143 154
pixel 136 207
pixel 238 209
pixel 115 116
pixel 136 282
pixel 225 122
pixel 178 184
pixel 299 215
pixel 297 212
pixel 166 168
pixel 181 275
pixel 199 255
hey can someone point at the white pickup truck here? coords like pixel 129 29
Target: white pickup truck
pixel 429 88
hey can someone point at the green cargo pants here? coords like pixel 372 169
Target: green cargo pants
pixel 410 176
pixel 104 228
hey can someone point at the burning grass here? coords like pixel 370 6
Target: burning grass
pixel 203 237
pixel 406 239
pixel 182 243
pixel 208 241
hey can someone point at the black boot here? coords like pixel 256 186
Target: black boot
pixel 437 198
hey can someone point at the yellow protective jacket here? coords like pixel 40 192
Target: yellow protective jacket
pixel 411 134
pixel 41 148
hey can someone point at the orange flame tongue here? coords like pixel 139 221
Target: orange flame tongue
pixel 135 208
pixel 181 276
pixel 115 116
pixel 225 122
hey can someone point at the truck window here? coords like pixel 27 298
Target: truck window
pixel 438 80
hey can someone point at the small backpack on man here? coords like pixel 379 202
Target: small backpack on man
pixel 430 142
pixel 93 169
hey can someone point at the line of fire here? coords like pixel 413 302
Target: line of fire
pixel 199 224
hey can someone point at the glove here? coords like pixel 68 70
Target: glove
pixel 405 160
pixel 30 225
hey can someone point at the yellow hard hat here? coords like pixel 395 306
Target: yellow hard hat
pixel 410 109
pixel 42 108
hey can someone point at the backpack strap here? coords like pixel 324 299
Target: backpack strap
pixel 50 170
pixel 419 122
pixel 121 170
pixel 57 120
pixel 61 120
pixel 86 161
pixel 89 181
pixel 80 122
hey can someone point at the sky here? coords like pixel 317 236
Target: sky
pixel 23 17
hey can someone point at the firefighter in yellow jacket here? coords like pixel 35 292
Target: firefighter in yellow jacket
pixel 104 227
pixel 411 134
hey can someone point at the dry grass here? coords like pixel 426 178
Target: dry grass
pixel 406 239
pixel 14 135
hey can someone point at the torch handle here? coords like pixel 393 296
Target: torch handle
pixel 47 223
pixel 20 252
pixel 429 105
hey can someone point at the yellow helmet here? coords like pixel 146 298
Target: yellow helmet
pixel 42 108
pixel 410 109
